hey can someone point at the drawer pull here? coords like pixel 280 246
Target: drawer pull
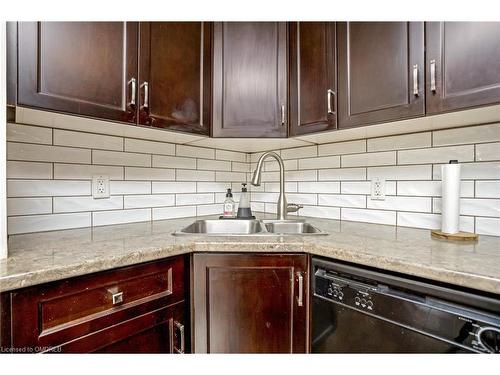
pixel 180 327
pixel 300 298
pixel 117 298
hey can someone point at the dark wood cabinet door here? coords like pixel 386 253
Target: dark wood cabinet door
pixel 462 65
pixel 250 79
pixel 11 52
pixel 85 68
pixel 175 75
pixel 380 71
pixel 313 83
pixel 250 303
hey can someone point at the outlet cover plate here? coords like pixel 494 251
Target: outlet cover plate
pixel 378 189
pixel 100 186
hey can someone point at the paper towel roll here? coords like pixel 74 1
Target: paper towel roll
pixel 450 211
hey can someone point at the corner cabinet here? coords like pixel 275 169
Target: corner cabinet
pixel 135 309
pixel 250 79
pixel 175 75
pixel 313 77
pixel 381 72
pixel 250 303
pixel 463 65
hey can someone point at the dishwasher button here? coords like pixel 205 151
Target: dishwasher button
pixel 363 302
pixel 369 305
pixel 341 295
pixel 357 301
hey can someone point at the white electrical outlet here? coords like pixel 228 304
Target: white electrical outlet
pixel 100 186
pixel 378 189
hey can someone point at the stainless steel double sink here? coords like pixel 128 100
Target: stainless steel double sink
pixel 236 227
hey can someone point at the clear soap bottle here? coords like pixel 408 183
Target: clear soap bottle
pixel 229 205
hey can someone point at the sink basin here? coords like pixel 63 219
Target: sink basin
pixel 299 227
pixel 224 227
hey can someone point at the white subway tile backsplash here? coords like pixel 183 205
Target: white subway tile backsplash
pixel 153 174
pixel 437 155
pixel 488 225
pixel 417 172
pixel 342 174
pixel 474 171
pixel 342 200
pixel 431 188
pixel 230 176
pixel 467 135
pixel 487 189
pixel 230 156
pixel 28 134
pixel 320 162
pixel 173 162
pixel 488 151
pixel 431 221
pixel 364 187
pixel 47 188
pixel 272 165
pixel 40 223
pixel 265 197
pixel 29 206
pixel 129 187
pixel 23 169
pixel 320 211
pixel 240 167
pixel 299 152
pixel 214 165
pixel 341 148
pixel 173 212
pixel 85 172
pixel 87 140
pixel 189 175
pixel 398 142
pixel 298 198
pixel 121 216
pixel 195 152
pixel 209 209
pixel 318 187
pixel 301 175
pixel 473 207
pixel 274 187
pixel 128 159
pixel 369 159
pixel 78 204
pixel 368 216
pixel 149 147
pixel 33 152
pixel 416 204
pixel 141 201
pixel 212 187
pixel 193 199
pixel 173 187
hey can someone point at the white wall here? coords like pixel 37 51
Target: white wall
pixel 3 207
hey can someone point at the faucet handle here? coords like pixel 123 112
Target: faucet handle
pixel 292 207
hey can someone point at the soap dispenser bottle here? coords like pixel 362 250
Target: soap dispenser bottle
pixel 229 205
pixel 244 210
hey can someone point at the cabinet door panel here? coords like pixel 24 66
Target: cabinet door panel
pixel 467 64
pixel 249 79
pixel 249 303
pixel 78 67
pixel 176 64
pixel 377 61
pixel 312 77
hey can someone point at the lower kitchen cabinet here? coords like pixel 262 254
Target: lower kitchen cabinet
pixel 250 303
pixel 135 309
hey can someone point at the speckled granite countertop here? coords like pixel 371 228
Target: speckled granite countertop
pixel 42 257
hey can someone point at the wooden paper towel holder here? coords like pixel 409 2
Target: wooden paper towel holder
pixel 460 236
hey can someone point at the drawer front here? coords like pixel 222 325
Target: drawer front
pixel 57 312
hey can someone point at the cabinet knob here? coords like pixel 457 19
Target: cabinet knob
pixel 117 298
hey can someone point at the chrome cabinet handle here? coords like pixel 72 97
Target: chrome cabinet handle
pixel 145 85
pixel 133 89
pixel 329 95
pixel 433 75
pixel 415 80
pixel 180 327
pixel 117 298
pixel 300 297
pixel 282 114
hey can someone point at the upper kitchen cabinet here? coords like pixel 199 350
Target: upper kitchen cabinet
pixel 463 65
pixel 175 75
pixel 250 79
pixel 85 68
pixel 380 72
pixel 250 303
pixel 313 84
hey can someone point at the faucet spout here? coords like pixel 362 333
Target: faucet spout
pixel 282 204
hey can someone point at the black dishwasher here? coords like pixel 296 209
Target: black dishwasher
pixel 361 310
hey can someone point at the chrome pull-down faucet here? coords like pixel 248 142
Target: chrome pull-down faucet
pixel 283 207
